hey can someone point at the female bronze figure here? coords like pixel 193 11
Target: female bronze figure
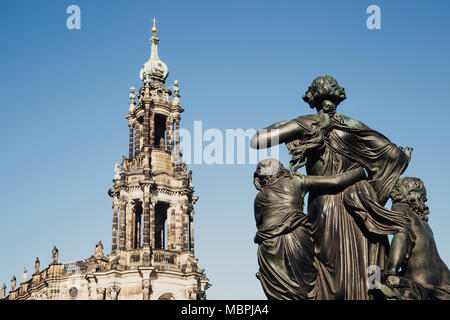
pixel 349 228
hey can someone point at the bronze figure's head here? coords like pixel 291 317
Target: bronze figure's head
pixel 412 192
pixel 267 171
pixel 324 93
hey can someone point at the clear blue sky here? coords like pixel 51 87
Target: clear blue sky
pixel 241 64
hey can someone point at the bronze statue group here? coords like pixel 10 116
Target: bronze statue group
pixel 352 171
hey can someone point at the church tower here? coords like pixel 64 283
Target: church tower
pixel 152 255
pixel 153 195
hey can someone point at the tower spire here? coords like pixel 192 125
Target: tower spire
pixel 154 67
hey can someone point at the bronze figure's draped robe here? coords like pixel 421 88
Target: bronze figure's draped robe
pixel 285 250
pixel 350 228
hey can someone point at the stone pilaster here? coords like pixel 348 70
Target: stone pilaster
pixel 146 289
pixel 137 137
pixel 122 226
pixel 185 228
pixel 92 286
pixel 130 144
pixel 178 228
pixel 146 282
pixel 177 142
pixel 152 130
pixel 114 226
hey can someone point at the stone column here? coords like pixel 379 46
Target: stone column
pixel 171 227
pixel 133 218
pixel 177 142
pixel 177 134
pixel 129 225
pixel 185 228
pixel 130 147
pixel 122 227
pixel 178 227
pixel 177 126
pixel 138 230
pixel 152 130
pixel 169 133
pixel 191 230
pixel 114 226
pixel 152 222
pixel 148 127
pixel 146 257
pixel 147 140
pixel 146 220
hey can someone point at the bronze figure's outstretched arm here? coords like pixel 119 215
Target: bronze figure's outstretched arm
pixel 277 133
pixel 337 183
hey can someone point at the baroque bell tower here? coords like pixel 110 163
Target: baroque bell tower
pixel 152 256
pixel 153 195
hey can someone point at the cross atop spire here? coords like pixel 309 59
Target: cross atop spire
pixel 154 30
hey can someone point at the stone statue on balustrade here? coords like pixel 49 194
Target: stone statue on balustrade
pixel 13 283
pixel 54 255
pixel 36 266
pixel 25 275
pixel 98 254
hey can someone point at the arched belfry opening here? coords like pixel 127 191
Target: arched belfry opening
pixel 138 134
pixel 137 226
pixel 160 131
pixel 160 240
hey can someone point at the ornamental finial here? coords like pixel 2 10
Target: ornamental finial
pixel 176 89
pixel 154 67
pixel 146 79
pixel 154 30
pixel 132 95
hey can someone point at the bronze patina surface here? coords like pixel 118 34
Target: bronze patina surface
pixel 328 252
